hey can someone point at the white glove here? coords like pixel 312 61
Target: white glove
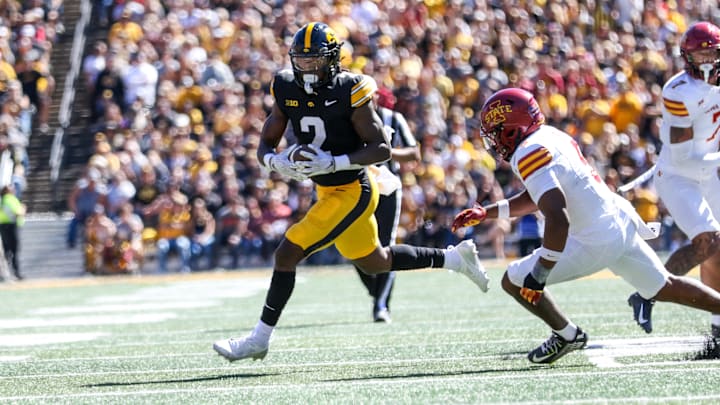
pixel 320 162
pixel 281 163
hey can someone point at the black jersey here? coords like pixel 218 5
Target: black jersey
pixel 401 136
pixel 323 119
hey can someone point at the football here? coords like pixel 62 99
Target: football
pixel 296 155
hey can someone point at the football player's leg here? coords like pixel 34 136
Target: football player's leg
pixel 545 309
pixel 578 260
pixel 702 248
pixel 312 233
pixel 690 205
pixel 645 272
pixel 689 292
pixel 387 217
pixel 565 337
pixel 710 268
pixel 368 281
pixel 710 276
pixel 642 269
pixel 255 345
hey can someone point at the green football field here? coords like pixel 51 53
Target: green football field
pixel 149 340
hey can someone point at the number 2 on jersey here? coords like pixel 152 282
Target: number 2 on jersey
pixel 307 123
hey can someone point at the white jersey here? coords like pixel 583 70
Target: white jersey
pixel 689 102
pixel 550 158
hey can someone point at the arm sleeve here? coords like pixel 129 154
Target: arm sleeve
pixel 362 91
pixel 542 182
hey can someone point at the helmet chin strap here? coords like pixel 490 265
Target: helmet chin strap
pixel 308 81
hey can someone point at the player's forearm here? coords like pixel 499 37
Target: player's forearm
pixel 556 232
pixel 517 206
pixel 409 154
pixel 557 222
pixel 683 155
pixel 372 153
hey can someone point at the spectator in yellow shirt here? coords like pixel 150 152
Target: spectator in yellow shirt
pixel 626 108
pixel 173 230
pixel 125 31
pixel 7 74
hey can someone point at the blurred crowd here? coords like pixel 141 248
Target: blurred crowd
pixel 28 31
pixel 180 91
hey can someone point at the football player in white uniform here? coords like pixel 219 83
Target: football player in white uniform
pixel 687 169
pixel 587 226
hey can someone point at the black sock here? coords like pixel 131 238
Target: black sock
pixel 407 257
pixel 281 288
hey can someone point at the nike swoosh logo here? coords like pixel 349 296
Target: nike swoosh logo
pixel 539 359
pixel 328 103
pixel 641 319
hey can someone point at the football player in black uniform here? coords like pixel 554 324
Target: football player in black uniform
pixel 332 111
pixel 404 148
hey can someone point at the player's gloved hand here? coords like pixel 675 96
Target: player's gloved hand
pixel 469 217
pixel 320 162
pixel 281 163
pixel 534 283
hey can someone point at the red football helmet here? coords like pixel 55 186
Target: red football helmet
pixel 508 117
pixel 700 48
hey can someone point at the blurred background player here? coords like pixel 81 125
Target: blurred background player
pixel 387 214
pixel 686 177
pixel 333 112
pixel 587 226
pixel 12 216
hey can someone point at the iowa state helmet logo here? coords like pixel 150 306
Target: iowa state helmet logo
pixel 495 114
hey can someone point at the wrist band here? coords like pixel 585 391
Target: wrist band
pixel 550 255
pixel 342 162
pixel 503 207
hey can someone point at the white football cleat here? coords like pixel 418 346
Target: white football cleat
pixel 470 264
pixel 241 348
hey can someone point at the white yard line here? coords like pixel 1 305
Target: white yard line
pixel 666 365
pixel 121 319
pixel 127 307
pixel 603 353
pixel 36 339
pixel 384 382
pixel 12 359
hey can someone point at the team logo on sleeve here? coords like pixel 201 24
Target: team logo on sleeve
pixel 675 107
pixel 534 160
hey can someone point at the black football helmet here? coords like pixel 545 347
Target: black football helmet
pixel 315 55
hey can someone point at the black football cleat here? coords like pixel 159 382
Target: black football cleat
pixel 642 311
pixel 556 347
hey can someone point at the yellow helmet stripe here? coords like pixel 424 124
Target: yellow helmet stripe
pixel 308 35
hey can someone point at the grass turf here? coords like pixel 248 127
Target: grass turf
pixel 148 340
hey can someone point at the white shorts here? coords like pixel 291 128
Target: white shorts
pixel 628 256
pixel 690 202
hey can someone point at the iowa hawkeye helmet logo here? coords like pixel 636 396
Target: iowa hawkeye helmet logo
pixel 495 114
